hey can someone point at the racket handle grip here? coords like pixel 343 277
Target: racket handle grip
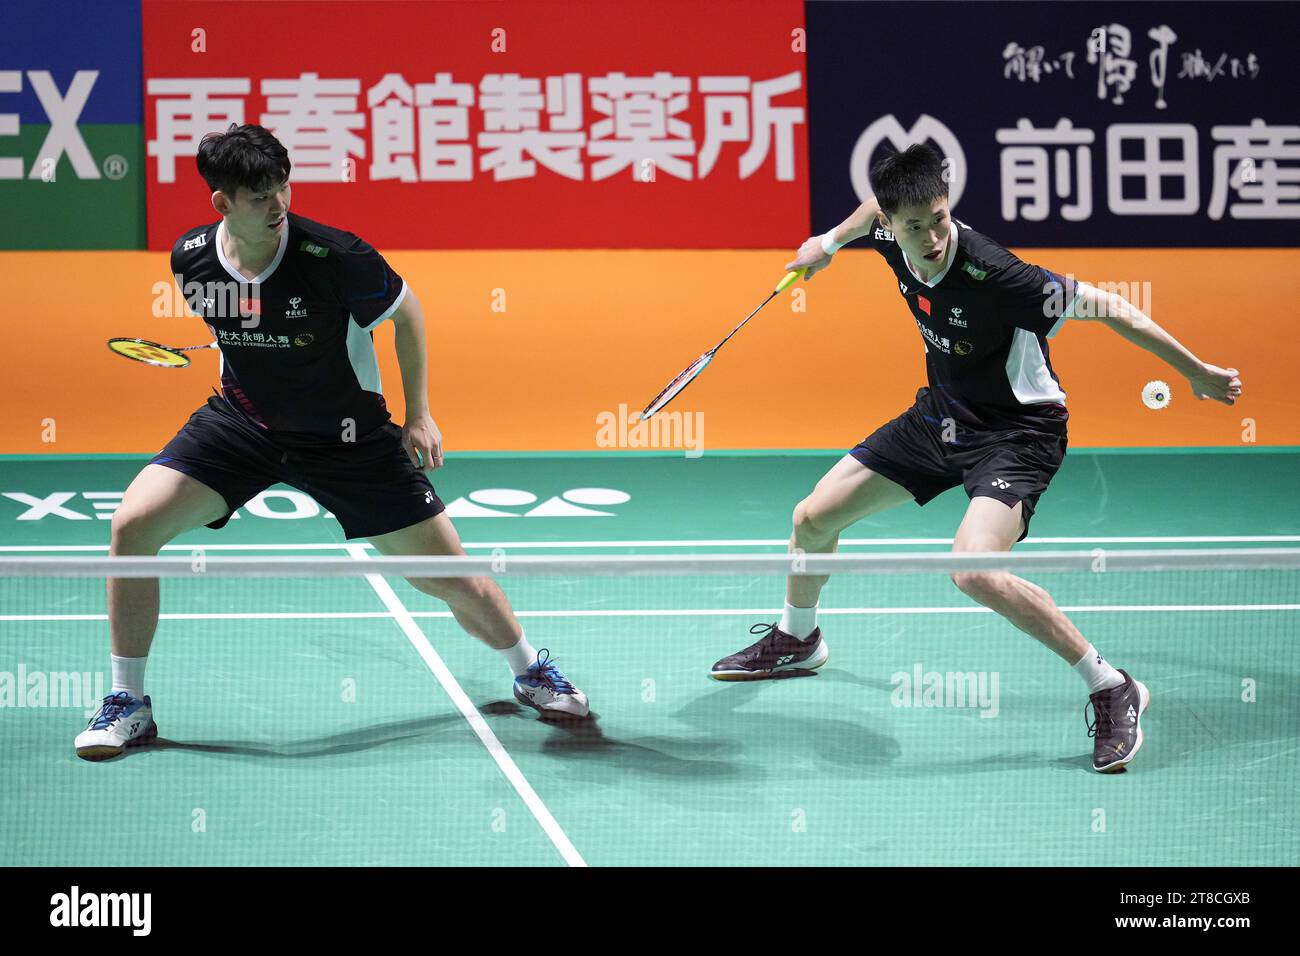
pixel 790 279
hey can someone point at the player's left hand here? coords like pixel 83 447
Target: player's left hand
pixel 423 442
pixel 1221 384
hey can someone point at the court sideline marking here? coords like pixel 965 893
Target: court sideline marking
pixel 406 621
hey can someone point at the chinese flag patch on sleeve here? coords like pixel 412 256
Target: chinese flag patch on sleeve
pixel 924 303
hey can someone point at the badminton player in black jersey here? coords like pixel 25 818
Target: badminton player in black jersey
pixel 992 420
pixel 293 305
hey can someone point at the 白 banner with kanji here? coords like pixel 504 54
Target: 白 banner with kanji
pixel 480 125
pixel 1068 124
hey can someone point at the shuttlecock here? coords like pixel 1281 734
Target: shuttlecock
pixel 1156 395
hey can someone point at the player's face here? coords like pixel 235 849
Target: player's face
pixel 258 214
pixel 923 231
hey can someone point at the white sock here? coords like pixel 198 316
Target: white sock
pixel 128 675
pixel 799 622
pixel 520 656
pixel 1096 672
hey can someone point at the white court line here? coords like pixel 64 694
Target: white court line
pixel 667 612
pixel 489 740
pixel 701 543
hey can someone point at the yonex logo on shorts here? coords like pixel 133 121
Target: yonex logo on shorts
pixel 999 483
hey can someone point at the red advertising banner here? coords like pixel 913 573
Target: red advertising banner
pixel 523 124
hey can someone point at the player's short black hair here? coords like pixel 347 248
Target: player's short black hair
pixel 913 177
pixel 243 157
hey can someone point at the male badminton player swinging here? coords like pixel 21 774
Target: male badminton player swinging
pixel 993 420
pixel 300 403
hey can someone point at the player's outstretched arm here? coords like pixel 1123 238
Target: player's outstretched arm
pixel 420 434
pixel 1207 381
pixel 815 254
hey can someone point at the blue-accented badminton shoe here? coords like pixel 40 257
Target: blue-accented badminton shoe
pixel 122 721
pixel 1117 726
pixel 772 653
pixel 544 687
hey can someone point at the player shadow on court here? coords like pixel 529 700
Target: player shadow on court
pixel 403 732
pixel 847 745
pixel 828 739
pixel 1076 763
pixel 583 738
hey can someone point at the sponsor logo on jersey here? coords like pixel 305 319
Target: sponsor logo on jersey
pixel 934 338
pixel 962 348
pixel 884 234
pixel 311 248
pixel 955 317
pixel 978 274
pixel 304 338
pixel 293 312
pixel 199 240
pixel 259 340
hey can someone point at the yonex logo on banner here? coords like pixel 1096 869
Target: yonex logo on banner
pixel 64 138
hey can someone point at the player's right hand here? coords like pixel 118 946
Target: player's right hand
pixel 811 256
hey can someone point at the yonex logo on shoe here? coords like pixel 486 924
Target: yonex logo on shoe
pixel 784 659
pixel 999 483
pixel 1132 714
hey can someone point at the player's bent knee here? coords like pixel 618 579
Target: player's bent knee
pixel 137 532
pixel 453 589
pixel 810 525
pixel 442 588
pixel 983 586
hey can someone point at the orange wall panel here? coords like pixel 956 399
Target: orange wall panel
pixel 583 331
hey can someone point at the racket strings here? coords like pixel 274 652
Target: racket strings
pixel 684 378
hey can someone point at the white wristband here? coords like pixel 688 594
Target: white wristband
pixel 829 245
